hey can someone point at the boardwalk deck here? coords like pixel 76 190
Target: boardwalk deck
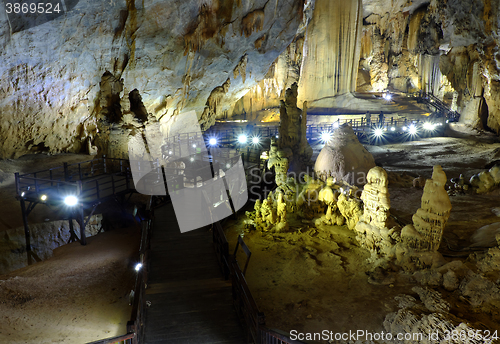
pixel 191 303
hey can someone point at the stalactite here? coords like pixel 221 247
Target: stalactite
pixel 331 51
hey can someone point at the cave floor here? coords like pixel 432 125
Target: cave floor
pixel 313 279
pixel 77 296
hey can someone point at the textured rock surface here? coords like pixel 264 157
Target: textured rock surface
pixel 45 238
pixel 344 157
pixel 175 53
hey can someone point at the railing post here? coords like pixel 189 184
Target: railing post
pixel 26 230
pixel 104 164
pixel 66 172
pixel 18 184
pixel 81 220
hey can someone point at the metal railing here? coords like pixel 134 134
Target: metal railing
pixel 135 325
pixel 243 300
pixel 89 180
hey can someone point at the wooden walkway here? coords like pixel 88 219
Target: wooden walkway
pixel 191 303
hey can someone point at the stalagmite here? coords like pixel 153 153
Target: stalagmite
pixel 344 158
pixel 421 240
pixel 374 230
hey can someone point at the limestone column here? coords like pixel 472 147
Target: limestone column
pixel 331 51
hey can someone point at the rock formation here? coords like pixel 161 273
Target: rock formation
pixel 175 53
pixel 344 158
pixel 331 52
pixel 374 230
pixel 421 240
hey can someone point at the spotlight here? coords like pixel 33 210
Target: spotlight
pixel 194 146
pixel 277 136
pixel 405 128
pixel 378 132
pixel 412 129
pixel 255 140
pixel 138 267
pixel 71 201
pixel 22 194
pixel 387 96
pixel 326 136
pixel 212 141
pixel 393 129
pixel 170 152
pixel 429 126
pixel 43 197
pixel 192 159
pixel 242 139
pixel 228 165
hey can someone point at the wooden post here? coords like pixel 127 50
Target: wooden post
pixel 26 231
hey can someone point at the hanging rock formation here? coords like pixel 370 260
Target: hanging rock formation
pixel 175 53
pixel 331 52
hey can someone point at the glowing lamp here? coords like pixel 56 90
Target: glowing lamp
pixel 242 139
pixel 71 201
pixel 325 137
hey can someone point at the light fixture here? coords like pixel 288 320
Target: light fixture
pixel 412 129
pixel 387 96
pixel 22 194
pixel 255 140
pixel 429 126
pixel 405 128
pixel 212 141
pixel 242 139
pixel 326 136
pixel 170 152
pixel 194 146
pixel 378 132
pixel 393 129
pixel 43 197
pixel 138 267
pixel 228 165
pixel 71 200
pixel 192 159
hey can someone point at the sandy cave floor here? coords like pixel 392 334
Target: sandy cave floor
pixel 313 279
pixel 79 295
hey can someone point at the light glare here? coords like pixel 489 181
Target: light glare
pixel 325 137
pixel 43 197
pixel 255 140
pixel 212 141
pixel 379 132
pixel 70 201
pixel 138 267
pixel 242 138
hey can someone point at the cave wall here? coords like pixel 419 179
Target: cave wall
pixel 449 48
pixel 180 56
